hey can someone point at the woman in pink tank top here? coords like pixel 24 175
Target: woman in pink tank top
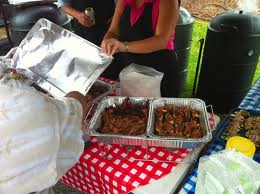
pixel 142 32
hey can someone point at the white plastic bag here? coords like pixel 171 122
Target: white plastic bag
pixel 228 172
pixel 140 81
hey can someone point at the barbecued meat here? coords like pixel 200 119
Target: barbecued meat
pixel 244 124
pixel 125 119
pixel 177 122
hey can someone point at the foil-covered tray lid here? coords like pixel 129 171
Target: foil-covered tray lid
pixel 58 60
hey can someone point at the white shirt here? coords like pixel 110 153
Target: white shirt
pixel 40 138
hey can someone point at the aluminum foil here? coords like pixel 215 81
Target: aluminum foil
pixel 95 123
pixel 150 139
pixel 169 141
pixel 58 60
pixel 99 83
pixel 93 103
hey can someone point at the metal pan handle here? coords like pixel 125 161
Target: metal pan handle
pixel 85 124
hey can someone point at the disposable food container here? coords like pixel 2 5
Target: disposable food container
pixel 99 90
pixel 222 133
pixel 109 138
pixel 57 60
pixel 179 142
pixel 150 139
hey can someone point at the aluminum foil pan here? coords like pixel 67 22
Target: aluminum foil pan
pixel 105 86
pixel 58 60
pixel 95 123
pixel 107 89
pixel 169 141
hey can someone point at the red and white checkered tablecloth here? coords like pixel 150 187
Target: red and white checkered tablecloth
pixel 107 80
pixel 97 174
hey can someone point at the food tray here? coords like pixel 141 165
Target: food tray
pixel 106 89
pixel 95 123
pixel 222 131
pixel 59 61
pixel 170 141
pixel 11 73
pixel 92 103
pixel 148 139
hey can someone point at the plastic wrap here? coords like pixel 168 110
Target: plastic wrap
pixel 228 172
pixel 140 81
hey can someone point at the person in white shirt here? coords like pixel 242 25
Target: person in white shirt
pixel 40 137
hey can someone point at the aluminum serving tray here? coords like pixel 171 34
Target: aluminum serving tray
pixel 169 141
pixel 109 88
pixel 150 139
pixel 95 123
pixel 91 107
pixel 58 60
pixel 223 130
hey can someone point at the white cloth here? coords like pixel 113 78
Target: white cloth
pixel 40 138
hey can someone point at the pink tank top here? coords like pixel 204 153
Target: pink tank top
pixel 137 12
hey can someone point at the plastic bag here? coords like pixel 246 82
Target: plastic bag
pixel 228 172
pixel 140 81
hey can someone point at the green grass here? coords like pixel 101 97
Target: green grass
pixel 199 31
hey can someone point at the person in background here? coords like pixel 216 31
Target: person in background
pixel 82 24
pixel 40 137
pixel 142 32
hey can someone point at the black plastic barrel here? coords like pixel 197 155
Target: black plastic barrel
pixel 183 40
pixel 230 58
pixel 24 18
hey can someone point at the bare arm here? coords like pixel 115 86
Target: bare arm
pixel 71 11
pixel 167 19
pixel 113 31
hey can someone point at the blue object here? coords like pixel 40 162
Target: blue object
pixel 251 103
pixel 222 129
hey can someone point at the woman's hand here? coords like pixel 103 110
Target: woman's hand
pixel 84 20
pixel 111 46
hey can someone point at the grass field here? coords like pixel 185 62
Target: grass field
pixel 199 31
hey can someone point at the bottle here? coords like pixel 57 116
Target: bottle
pixel 89 12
